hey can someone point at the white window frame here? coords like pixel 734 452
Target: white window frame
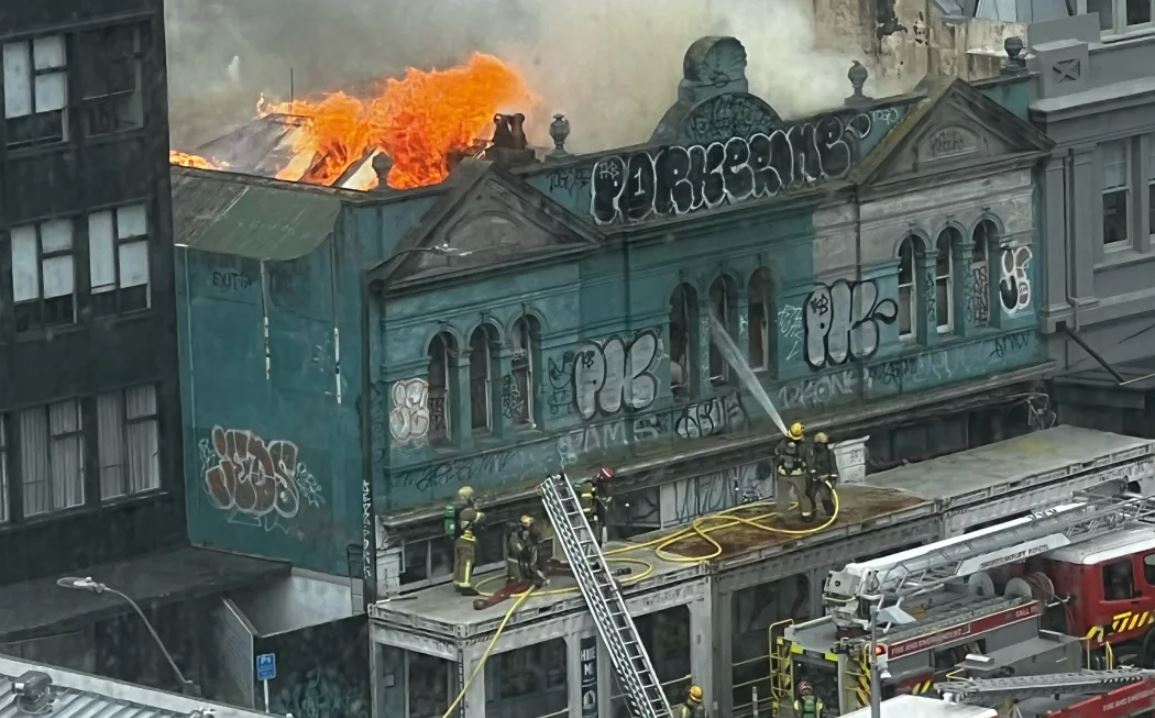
pixel 52 481
pixel 123 408
pixel 1125 188
pixel 19 238
pixel 42 68
pixel 1119 24
pixel 107 249
pixel 948 279
pixel 912 287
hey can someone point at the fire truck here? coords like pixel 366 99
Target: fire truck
pixel 1061 588
pixel 1119 693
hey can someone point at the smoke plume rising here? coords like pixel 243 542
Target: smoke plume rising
pixel 612 66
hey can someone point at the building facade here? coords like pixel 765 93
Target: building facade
pixel 1094 99
pixel 355 358
pixel 91 476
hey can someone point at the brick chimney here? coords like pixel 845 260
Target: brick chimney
pixel 510 146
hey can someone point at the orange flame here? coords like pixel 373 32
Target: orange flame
pixel 417 120
pixel 187 159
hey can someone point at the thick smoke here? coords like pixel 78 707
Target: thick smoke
pixel 612 66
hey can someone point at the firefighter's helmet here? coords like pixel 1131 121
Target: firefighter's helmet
pixel 821 438
pixel 695 695
pixel 527 521
pixel 604 473
pixel 465 493
pixel 804 688
pixel 797 430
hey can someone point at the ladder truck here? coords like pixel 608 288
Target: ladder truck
pixel 1038 594
pixel 1119 693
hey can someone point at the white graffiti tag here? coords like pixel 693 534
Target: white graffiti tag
pixel 1015 284
pixel 613 374
pixel 790 328
pixel 409 417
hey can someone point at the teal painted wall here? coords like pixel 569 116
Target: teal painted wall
pixel 1014 94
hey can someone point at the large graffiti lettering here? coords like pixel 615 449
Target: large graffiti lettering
pixel 841 322
pixel 255 482
pixel 719 415
pixel 613 374
pixel 674 181
pixel 718 491
pixel 1015 284
pixel 409 417
pixel 594 439
pixel 818 391
pixel 978 295
pixel 790 328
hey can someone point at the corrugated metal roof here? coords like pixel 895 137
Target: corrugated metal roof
pixel 218 212
pixel 69 703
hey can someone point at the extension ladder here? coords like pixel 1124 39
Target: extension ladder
pixel 1021 687
pixel 615 627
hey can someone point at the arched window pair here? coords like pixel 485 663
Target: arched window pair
pixel 491 395
pixel 973 285
pixel 723 299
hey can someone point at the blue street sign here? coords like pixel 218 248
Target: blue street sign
pixel 266 666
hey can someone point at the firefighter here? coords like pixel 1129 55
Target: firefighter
pixel 465 518
pixel 595 502
pixel 792 474
pixel 823 473
pixel 807 705
pixel 692 708
pixel 523 564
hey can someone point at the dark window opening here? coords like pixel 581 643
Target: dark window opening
pixel 1119 580
pixel 110 78
pixel 907 285
pixel 441 351
pixel 482 364
pixel 722 309
pixel 683 340
pixel 760 317
pixel 518 398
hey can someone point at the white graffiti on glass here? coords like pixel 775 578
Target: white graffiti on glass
pixel 611 374
pixel 674 181
pixel 1015 284
pixel 841 322
pixel 409 417
pixel 790 328
pixel 714 492
pixel 255 482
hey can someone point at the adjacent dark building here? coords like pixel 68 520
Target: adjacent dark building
pixel 90 452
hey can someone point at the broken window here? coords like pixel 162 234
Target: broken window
pixel 43 275
pixel 527 682
pixel 482 363
pixel 128 442
pixel 907 296
pixel 52 458
pixel 4 514
pixel 1116 188
pixel 110 79
pixel 518 398
pixel 118 259
pixel 683 339
pixel 441 351
pixel 943 279
pixel 722 309
pixel 978 298
pixel 430 682
pixel 759 316
pixel 35 91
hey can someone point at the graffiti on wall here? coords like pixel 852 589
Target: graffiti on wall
pixel 257 483
pixel 1015 284
pixel 717 491
pixel 409 415
pixel 815 392
pixel 711 417
pixel 841 322
pixel 942 367
pixel 613 374
pixel 790 329
pixel 559 396
pixel 978 295
pixel 673 181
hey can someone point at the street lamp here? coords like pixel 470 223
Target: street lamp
pixel 891 616
pixel 87 584
pixel 373 283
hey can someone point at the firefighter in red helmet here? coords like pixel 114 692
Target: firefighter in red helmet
pixel 595 501
pixel 807 705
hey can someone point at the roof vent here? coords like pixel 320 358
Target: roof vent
pixel 33 693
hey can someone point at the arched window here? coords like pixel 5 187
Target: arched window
pixel 519 399
pixel 758 320
pixel 442 351
pixel 907 284
pixel 979 295
pixel 482 363
pixel 948 239
pixel 722 308
pixel 683 339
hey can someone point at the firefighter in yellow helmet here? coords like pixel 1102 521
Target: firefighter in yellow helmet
pixel 523 560
pixel 793 475
pixel 461 520
pixel 807 705
pixel 823 473
pixel 692 708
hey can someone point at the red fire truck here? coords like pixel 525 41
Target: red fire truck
pixel 1062 588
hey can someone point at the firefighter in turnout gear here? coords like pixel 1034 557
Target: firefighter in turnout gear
pixel 807 705
pixel 823 473
pixel 465 519
pixel 793 476
pixel 692 708
pixel 523 562
pixel 595 502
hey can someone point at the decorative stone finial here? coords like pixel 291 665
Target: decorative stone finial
pixel 857 76
pixel 559 131
pixel 382 164
pixel 1014 48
